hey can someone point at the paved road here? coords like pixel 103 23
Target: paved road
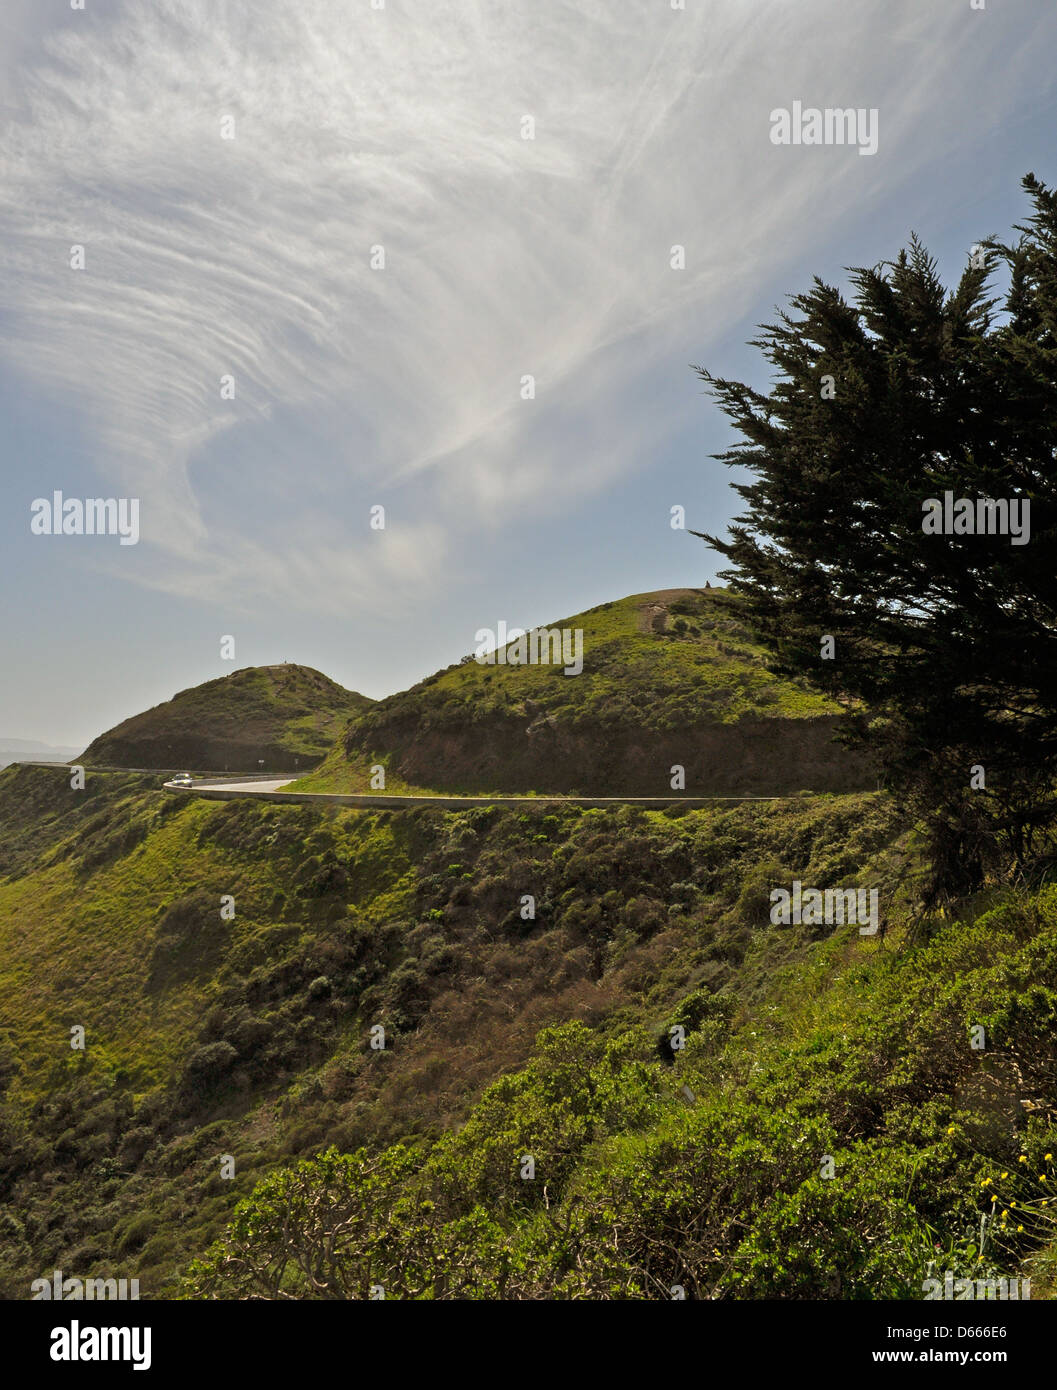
pixel 269 789
pixel 246 788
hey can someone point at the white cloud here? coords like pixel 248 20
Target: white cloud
pixel 505 256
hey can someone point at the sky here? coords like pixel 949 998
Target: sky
pixel 235 355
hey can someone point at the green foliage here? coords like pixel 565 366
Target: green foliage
pixel 946 643
pixel 209 1036
pixel 798 1045
pixel 845 1151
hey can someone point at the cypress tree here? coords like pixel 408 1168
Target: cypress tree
pixel 945 645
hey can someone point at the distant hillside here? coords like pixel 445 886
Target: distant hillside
pixel 288 716
pixel 668 678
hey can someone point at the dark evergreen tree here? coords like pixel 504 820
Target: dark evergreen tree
pixel 945 645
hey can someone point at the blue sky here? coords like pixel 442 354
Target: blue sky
pixel 402 127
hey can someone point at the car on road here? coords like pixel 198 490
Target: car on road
pixel 182 779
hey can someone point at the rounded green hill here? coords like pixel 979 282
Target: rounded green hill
pixel 287 716
pixel 670 678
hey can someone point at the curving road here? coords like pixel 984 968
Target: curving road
pixel 258 785
pixel 269 789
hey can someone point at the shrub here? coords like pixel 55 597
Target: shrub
pixel 207 1064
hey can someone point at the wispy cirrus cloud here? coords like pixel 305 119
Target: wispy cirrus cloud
pixel 505 257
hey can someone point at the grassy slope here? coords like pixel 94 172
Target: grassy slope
pixel 857 1052
pixel 662 664
pixel 800 1041
pixel 109 1159
pixel 661 679
pixel 290 707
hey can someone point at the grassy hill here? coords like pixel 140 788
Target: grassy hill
pixel 287 715
pixel 249 1036
pixel 668 678
pixel 829 1128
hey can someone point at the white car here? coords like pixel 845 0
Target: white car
pixel 182 779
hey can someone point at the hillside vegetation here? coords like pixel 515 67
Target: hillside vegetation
pixel 839 1141
pixel 288 716
pixel 250 1038
pixel 669 678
